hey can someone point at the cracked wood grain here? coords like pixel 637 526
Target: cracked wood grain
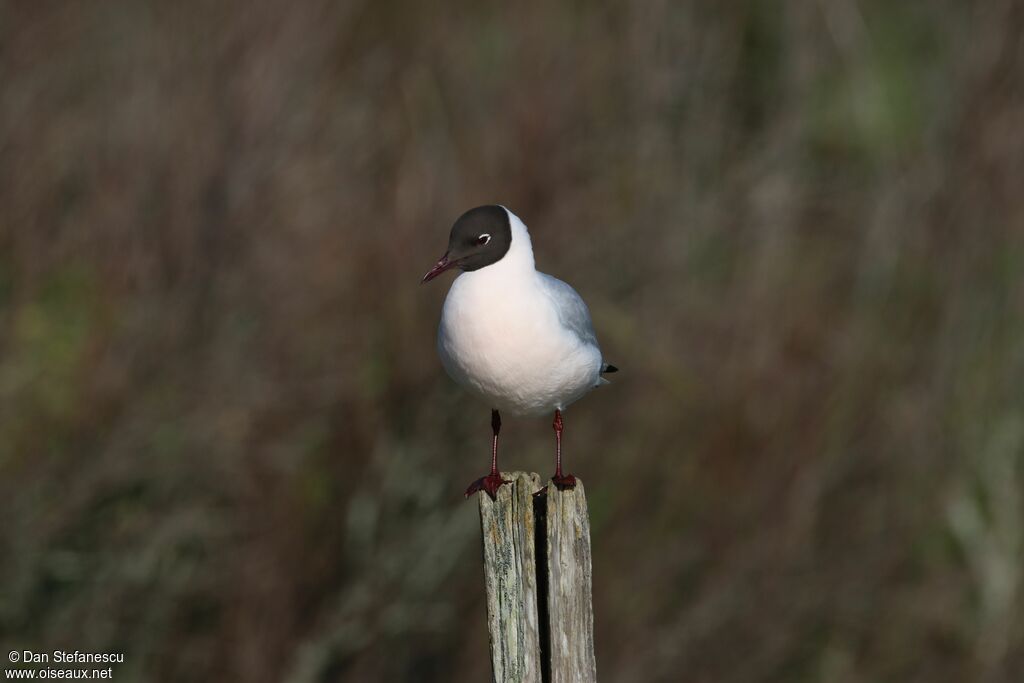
pixel 510 579
pixel 538 578
pixel 569 580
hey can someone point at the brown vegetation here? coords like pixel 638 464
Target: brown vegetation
pixel 228 450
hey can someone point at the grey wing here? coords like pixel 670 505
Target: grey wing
pixel 572 310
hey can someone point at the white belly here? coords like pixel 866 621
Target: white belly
pixel 509 348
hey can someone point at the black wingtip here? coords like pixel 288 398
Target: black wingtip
pixel 609 368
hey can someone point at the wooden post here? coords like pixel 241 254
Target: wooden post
pixel 569 578
pixel 537 574
pixel 510 577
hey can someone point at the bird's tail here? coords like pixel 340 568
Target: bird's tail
pixel 606 368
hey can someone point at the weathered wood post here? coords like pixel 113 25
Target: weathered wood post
pixel 569 579
pixel 510 577
pixel 537 574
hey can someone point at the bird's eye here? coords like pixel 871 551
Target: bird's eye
pixel 483 239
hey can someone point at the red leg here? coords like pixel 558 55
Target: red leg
pixel 562 482
pixel 493 481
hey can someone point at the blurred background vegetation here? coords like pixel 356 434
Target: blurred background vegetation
pixel 227 447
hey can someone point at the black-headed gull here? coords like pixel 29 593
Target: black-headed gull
pixel 518 339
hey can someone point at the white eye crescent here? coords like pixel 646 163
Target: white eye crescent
pixel 483 239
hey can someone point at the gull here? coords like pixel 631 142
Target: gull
pixel 518 339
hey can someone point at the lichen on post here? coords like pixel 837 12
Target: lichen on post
pixel 510 579
pixel 569 580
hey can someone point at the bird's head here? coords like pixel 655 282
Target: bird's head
pixel 480 237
